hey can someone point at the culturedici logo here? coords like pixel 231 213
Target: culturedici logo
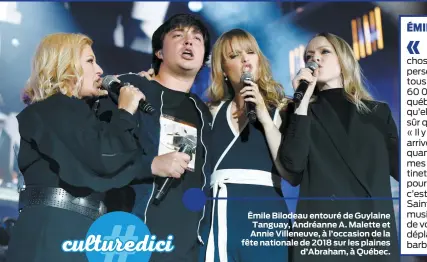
pixel 121 237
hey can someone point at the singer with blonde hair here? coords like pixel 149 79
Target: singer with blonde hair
pixel 341 147
pixel 244 152
pixel 67 156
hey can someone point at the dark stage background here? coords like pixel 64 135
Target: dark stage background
pixel 122 35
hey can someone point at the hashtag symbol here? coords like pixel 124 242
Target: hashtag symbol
pixel 129 236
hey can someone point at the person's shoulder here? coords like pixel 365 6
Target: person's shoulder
pixel 55 109
pixel 138 81
pixel 203 106
pixel 27 113
pixel 63 104
pixel 214 107
pixel 377 106
pixel 127 77
pixel 47 112
pixel 53 104
pixel 378 109
pixel 197 99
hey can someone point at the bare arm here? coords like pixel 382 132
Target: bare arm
pixel 274 138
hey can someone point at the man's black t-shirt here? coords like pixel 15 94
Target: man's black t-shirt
pixel 176 118
pixel 180 106
pixel 171 216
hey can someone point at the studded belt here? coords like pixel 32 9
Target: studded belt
pixel 60 198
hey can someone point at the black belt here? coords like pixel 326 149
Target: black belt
pixel 60 198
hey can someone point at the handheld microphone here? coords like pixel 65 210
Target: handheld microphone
pixel 250 106
pixel 112 85
pixel 188 146
pixel 303 85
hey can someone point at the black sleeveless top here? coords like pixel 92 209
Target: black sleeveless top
pixel 249 151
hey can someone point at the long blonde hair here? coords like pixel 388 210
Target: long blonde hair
pixel 56 67
pixel 220 89
pixel 351 72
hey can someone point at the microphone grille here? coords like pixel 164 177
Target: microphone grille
pixel 190 140
pixel 107 80
pixel 148 108
pixel 312 65
pixel 246 76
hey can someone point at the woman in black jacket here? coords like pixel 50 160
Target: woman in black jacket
pixel 340 143
pixel 68 157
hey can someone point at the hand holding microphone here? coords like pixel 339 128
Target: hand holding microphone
pixel 182 158
pixel 305 81
pixel 170 165
pixel 254 102
pixel 114 88
pixel 130 98
pixel 250 106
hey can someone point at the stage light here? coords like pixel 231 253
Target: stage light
pixel 296 60
pixel 151 15
pixel 367 34
pixel 195 6
pixel 378 23
pixel 9 13
pixel 15 42
pixel 355 43
pixel 299 10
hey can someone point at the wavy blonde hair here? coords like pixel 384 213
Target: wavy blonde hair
pixel 220 89
pixel 351 72
pixel 56 67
